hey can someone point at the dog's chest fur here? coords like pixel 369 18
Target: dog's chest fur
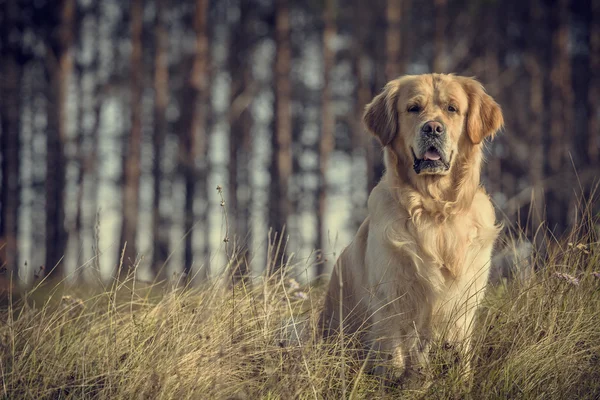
pixel 439 251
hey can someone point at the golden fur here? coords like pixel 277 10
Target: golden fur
pixel 420 260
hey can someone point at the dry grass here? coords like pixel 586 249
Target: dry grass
pixel 534 339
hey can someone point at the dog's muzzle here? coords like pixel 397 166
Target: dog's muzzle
pixel 432 159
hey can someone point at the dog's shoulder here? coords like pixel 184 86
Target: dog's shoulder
pixel 484 216
pixel 482 207
pixel 383 206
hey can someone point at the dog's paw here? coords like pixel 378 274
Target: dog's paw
pixel 415 379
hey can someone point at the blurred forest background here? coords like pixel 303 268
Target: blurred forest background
pixel 119 119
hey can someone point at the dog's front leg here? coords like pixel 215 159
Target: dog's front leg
pixel 400 340
pixel 416 358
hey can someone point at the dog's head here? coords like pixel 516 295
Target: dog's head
pixel 430 120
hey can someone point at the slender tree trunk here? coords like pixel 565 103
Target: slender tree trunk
pixel 76 234
pixel 439 44
pixel 327 140
pixel 562 97
pixel 362 142
pixel 82 71
pixel 60 62
pixel 561 111
pixel 84 159
pixel 492 19
pixel 240 143
pixel 160 234
pixel 132 157
pixel 93 176
pixel 378 77
pixel 11 74
pixel 205 170
pixel 281 160
pixel 361 139
pixel 232 165
pixel 594 86
pixel 36 102
pixel 536 70
pixel 92 172
pixel 408 34
pixel 394 67
pixel 243 200
pixel 195 139
pixel 244 193
pixel 89 160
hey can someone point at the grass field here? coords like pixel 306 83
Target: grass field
pixel 538 338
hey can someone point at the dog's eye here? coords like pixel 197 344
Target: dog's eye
pixel 414 109
pixel 452 109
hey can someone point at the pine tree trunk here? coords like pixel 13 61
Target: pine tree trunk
pixel 160 233
pixel 60 64
pixel 378 49
pixel 439 44
pixel 132 157
pixel 394 67
pixel 91 173
pixel 37 83
pixel 327 139
pixel 492 19
pixel 561 112
pixel 362 142
pixel 194 141
pixel 594 86
pixel 560 76
pixel 76 235
pixel 11 74
pixel 240 143
pixel 536 70
pixel 281 160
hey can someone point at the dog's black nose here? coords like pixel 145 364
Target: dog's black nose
pixel 433 128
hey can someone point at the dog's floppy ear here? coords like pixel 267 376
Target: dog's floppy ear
pixel 381 114
pixel 484 117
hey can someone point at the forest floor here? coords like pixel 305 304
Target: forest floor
pixel 534 338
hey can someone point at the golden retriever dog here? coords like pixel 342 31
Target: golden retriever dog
pixel 419 263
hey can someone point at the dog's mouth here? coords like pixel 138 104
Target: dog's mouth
pixel 433 161
pixel 432 154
